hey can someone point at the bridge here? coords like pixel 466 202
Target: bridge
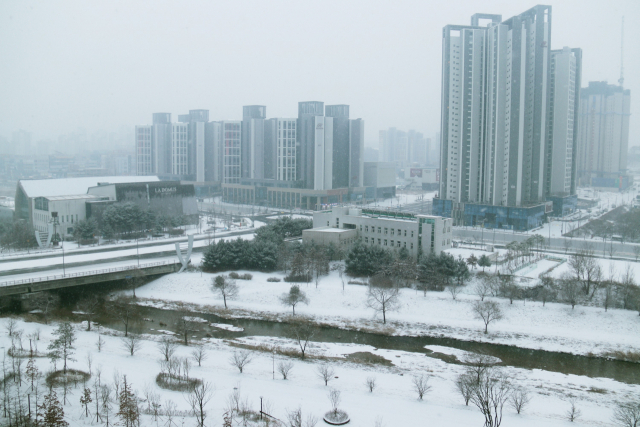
pixel 46 283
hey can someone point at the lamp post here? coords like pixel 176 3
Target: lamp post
pixel 260 407
pixel 273 358
pixel 63 269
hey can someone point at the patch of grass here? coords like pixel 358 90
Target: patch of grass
pixel 627 356
pixel 365 357
pixel 175 383
pixel 273 279
pixel 597 390
pixel 72 376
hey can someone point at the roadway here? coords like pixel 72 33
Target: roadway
pixel 554 241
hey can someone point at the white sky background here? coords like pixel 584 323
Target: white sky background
pixel 103 64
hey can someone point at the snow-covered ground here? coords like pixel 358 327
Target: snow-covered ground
pixel 554 327
pixel 394 400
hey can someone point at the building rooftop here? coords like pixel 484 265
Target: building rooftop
pixel 73 186
pixel 71 197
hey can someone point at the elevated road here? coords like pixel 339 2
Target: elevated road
pixel 47 283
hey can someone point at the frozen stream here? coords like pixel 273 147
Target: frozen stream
pixel 626 372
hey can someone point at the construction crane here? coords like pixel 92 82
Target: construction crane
pixel 621 80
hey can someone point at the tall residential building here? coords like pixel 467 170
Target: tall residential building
pixel 495 103
pixel 281 133
pixel 144 150
pixel 562 140
pixel 161 143
pixel 604 131
pixel 196 120
pixel 315 140
pixel 180 149
pixel 508 118
pixel 253 147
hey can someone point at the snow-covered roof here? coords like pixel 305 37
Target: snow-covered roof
pixel 71 186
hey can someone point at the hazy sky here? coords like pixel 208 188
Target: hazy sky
pixel 102 64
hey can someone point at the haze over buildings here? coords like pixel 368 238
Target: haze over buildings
pixel 120 69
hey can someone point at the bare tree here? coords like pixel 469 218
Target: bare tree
pixel 454 290
pixel 302 331
pixel 334 398
pixel 487 311
pixel 131 343
pixel 11 324
pixel 519 399
pixel 88 307
pixel 421 385
pixel 126 311
pixel 326 373
pixel 371 383
pixel 464 384
pixel 340 268
pixel 45 302
pixel 490 393
pixel 185 325
pixel 284 367
pixel 382 295
pixel 627 414
pixel 199 354
pixel 484 285
pixel 198 398
pixel 100 343
pixel 295 419
pixel 226 287
pixel 240 359
pixel 167 347
pixel 570 290
pixel 294 297
pixel 573 413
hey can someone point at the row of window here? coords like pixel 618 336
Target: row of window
pixel 386 230
pixel 385 242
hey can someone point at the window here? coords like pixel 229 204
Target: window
pixel 411 233
pixel 366 228
pixel 392 243
pixel 405 233
pixel 385 242
pixel 379 242
pixel 366 240
pixel 412 246
pixel 393 231
pixel 405 244
pixel 327 223
pixel 386 230
pixel 398 243
pixel 379 230
pixel 360 227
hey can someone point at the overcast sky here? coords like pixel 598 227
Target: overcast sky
pixel 103 64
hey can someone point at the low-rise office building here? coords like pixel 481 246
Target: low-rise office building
pixel 419 234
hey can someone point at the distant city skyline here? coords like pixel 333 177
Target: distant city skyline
pixel 103 66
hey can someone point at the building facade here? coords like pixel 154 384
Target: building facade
pixel 603 133
pixel 508 114
pixel 418 234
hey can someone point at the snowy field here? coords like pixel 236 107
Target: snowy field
pixel 527 324
pixel 393 401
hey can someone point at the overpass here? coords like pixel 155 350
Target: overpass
pixel 46 283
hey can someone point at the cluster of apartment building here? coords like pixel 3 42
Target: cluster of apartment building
pixel 511 124
pixel 312 160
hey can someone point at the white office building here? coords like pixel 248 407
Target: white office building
pixel 419 234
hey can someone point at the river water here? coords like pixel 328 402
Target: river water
pixel 626 372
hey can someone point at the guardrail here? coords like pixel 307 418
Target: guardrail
pixel 83 273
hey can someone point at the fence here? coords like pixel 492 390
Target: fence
pixel 83 273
